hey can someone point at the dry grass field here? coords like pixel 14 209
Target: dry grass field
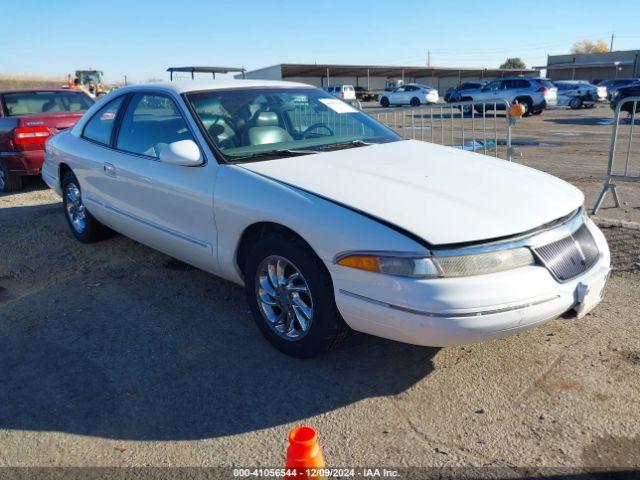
pixel 11 82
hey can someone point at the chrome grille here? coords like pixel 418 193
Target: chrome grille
pixel 570 256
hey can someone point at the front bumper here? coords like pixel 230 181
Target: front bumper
pixel 452 311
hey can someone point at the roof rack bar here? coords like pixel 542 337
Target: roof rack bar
pixel 212 70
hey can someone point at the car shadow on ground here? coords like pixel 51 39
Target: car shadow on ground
pixel 127 343
pixel 589 121
pixel 29 184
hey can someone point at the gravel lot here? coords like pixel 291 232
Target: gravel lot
pixel 115 355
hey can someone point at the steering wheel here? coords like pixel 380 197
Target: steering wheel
pixel 317 126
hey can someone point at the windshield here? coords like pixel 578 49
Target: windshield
pixel 255 123
pixel 33 103
pixel 86 77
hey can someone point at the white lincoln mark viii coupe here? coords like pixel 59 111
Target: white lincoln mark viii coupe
pixel 329 219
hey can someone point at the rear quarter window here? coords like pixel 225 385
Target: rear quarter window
pixel 100 126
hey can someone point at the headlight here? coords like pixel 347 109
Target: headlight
pixel 481 263
pixel 404 266
pixel 407 265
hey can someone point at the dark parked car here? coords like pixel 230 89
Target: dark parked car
pixel 621 93
pixel 27 119
pixel 365 95
pixel 454 94
pixel 613 85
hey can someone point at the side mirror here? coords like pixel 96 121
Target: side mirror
pixel 184 153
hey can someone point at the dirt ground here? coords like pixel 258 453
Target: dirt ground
pixel 115 355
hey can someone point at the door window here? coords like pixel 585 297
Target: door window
pixel 495 85
pixel 150 123
pixel 99 128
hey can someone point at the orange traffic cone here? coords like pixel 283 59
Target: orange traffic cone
pixel 304 454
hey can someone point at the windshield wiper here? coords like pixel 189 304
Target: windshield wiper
pixel 280 152
pixel 350 143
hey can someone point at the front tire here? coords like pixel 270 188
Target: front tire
pixel 290 293
pixel 82 224
pixel 9 182
pixel 528 106
pixel 415 102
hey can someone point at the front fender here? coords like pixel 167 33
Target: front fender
pixel 243 198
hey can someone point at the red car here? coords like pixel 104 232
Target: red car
pixel 27 119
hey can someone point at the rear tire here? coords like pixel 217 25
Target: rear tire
pixel 575 103
pixel 275 301
pixel 82 224
pixel 9 182
pixel 415 102
pixel 384 101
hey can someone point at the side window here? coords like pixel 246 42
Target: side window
pixel 400 89
pixel 100 126
pixel 149 123
pixel 495 85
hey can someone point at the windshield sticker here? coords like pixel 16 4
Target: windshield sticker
pixel 337 106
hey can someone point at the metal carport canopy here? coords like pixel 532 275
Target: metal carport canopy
pixel 320 70
pixel 211 70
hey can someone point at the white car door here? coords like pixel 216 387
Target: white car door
pixel 168 207
pixel 565 93
pixel 489 91
pixel 398 96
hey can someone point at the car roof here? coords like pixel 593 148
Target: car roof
pixel 29 90
pixel 185 86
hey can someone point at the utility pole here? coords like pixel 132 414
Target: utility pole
pixel 125 80
pixel 612 37
pixel 428 58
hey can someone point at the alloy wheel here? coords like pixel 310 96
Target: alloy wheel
pixel 76 212
pixel 284 298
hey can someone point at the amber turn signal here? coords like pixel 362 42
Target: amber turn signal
pixel 361 263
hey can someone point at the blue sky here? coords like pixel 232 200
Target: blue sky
pixel 142 38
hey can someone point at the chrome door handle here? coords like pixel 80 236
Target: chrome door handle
pixel 109 170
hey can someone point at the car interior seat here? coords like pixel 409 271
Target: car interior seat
pixel 217 121
pixel 17 109
pixel 264 129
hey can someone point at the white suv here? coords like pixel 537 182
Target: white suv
pixel 344 92
pixel 535 94
pixel 410 94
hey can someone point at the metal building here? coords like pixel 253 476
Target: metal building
pixel 374 77
pixel 594 66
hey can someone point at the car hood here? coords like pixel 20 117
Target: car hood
pixel 440 194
